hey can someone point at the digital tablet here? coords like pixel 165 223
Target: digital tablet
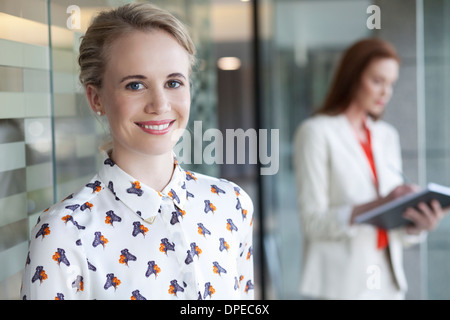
pixel 390 215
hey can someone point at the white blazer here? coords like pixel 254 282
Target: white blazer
pixel 341 261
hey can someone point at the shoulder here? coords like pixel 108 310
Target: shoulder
pixel 383 125
pixel 61 218
pixel 385 129
pixel 205 181
pixel 319 123
pixel 224 188
pixel 317 129
pixel 56 247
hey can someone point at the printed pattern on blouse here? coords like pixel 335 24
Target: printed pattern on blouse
pixel 119 239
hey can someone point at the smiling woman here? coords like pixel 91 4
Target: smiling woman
pixel 145 96
pixel 142 228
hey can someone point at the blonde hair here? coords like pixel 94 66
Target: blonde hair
pixel 110 25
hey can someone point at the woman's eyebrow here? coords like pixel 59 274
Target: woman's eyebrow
pixel 176 75
pixel 142 77
pixel 134 76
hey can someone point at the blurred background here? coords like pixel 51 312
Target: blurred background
pixel 283 53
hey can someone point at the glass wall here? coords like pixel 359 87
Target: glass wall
pixel 232 36
pixel 26 161
pixel 436 20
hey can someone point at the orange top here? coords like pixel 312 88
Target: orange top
pixel 382 240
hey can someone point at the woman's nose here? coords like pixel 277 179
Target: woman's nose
pixel 157 102
pixel 387 90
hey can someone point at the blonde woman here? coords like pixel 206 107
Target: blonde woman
pixel 142 228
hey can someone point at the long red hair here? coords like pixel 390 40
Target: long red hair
pixel 352 65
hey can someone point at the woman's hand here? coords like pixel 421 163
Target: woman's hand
pixel 398 192
pixel 425 217
pixel 401 191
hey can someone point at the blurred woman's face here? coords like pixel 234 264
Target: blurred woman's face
pixel 145 93
pixel 376 85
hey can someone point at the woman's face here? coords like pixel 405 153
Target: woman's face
pixel 145 93
pixel 376 85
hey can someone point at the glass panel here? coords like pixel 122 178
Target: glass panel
pixel 437 98
pixel 25 131
pixel 232 72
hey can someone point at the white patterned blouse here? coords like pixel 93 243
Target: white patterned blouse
pixel 119 239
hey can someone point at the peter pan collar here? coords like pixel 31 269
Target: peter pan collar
pixel 140 198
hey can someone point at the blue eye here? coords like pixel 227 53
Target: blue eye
pixel 173 84
pixel 134 86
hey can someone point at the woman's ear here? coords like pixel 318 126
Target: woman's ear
pixel 93 97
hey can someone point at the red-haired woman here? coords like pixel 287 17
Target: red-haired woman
pixel 347 161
